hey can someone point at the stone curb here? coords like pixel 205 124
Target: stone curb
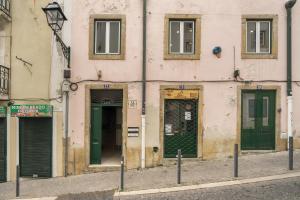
pixel 194 187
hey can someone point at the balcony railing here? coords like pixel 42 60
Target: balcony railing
pixel 5 6
pixel 4 81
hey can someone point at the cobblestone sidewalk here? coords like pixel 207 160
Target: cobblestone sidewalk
pixel 193 172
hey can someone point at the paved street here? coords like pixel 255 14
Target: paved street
pixel 285 189
pixel 193 172
pixel 288 189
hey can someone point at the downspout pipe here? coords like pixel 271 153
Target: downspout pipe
pixel 289 5
pixel 66 133
pixel 143 142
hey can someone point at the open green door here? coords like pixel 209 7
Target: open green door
pixel 258 120
pixel 96 134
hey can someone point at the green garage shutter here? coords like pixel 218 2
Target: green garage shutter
pixel 36 147
pixel 2 149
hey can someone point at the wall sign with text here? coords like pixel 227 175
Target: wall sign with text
pixel 31 111
pixel 132 104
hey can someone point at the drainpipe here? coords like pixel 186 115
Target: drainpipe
pixel 289 5
pixel 66 133
pixel 143 146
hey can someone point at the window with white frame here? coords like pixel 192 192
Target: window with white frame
pixel 182 37
pixel 107 37
pixel 259 36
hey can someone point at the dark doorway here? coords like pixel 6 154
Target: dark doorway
pixel 111 135
pixel 106 127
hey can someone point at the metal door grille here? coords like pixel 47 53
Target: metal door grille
pixel 107 97
pixel 181 125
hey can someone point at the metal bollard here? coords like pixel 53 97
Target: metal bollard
pixel 122 174
pixel 18 182
pixel 179 166
pixel 236 160
pixel 291 153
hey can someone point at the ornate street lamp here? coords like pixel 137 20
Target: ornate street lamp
pixel 56 19
pixel 55 16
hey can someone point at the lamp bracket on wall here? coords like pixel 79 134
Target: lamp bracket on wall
pixel 65 49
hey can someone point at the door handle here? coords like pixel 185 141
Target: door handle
pixel 182 125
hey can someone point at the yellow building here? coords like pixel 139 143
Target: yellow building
pixel 34 125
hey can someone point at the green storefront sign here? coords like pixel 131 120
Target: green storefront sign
pixel 2 111
pixel 31 111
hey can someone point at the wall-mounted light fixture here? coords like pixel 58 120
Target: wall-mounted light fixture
pixel 56 19
pixel 217 51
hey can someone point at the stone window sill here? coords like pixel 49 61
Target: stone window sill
pixel 258 56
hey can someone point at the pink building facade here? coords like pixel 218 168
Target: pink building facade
pixel 215 76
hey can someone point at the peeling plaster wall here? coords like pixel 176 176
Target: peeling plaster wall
pixel 59 62
pixel 221 26
pixel 83 68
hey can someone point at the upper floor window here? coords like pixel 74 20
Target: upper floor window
pixel 182 36
pixel 107 37
pixel 259 36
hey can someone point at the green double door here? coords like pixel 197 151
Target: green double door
pixel 258 120
pixel 2 149
pixel 180 128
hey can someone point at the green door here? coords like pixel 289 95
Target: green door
pixel 96 134
pixel 180 128
pixel 258 120
pixel 36 147
pixel 2 149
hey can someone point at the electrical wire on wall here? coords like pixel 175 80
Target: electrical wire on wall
pixel 236 79
pixel 74 85
pixel 184 81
